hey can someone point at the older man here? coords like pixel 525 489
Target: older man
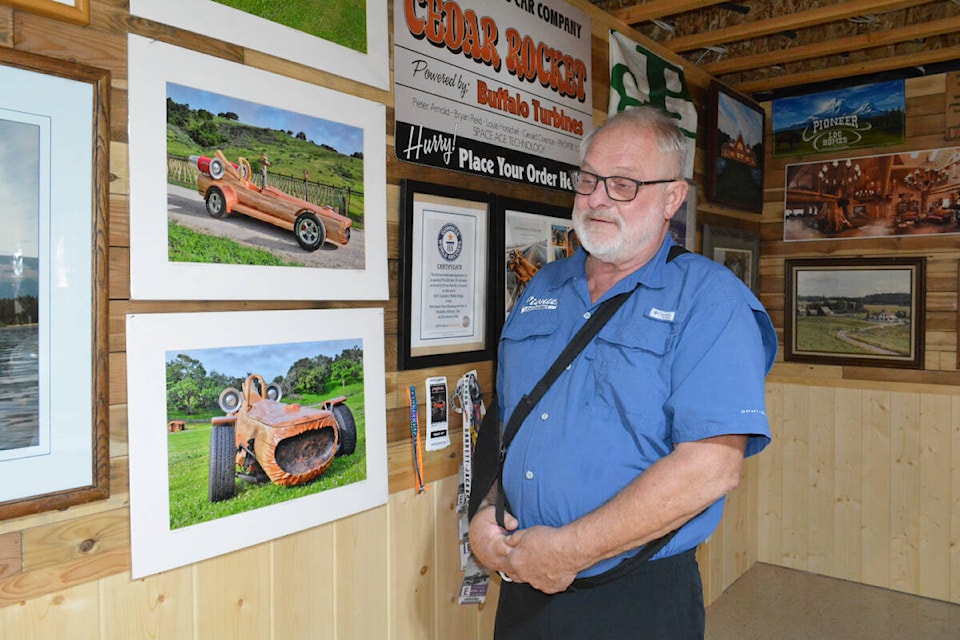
pixel 646 430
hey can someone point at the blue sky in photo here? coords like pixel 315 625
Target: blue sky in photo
pixel 734 118
pixel 852 283
pixel 19 188
pixel 344 138
pixel 795 110
pixel 269 360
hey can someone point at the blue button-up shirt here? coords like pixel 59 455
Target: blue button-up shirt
pixel 682 360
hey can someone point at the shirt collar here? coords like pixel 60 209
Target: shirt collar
pixel 651 275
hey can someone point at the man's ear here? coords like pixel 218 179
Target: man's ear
pixel 675 194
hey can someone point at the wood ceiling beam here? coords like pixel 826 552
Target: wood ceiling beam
pixel 850 70
pixel 788 22
pixel 833 47
pixel 659 8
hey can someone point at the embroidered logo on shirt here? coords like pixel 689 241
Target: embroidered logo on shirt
pixel 533 303
pixel 666 316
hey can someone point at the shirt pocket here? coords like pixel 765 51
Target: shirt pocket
pixel 529 346
pixel 631 365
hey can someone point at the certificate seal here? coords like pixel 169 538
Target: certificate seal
pixel 449 242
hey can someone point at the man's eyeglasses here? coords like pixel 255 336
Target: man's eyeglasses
pixel 619 188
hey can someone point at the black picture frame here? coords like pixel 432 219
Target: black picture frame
pixel 415 350
pixel 736 249
pixel 736 127
pixel 851 311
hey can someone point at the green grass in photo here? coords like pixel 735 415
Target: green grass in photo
pixel 187 245
pixel 343 22
pixel 824 334
pixel 188 457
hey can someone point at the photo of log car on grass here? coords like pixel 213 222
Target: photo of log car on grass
pixel 227 188
pixel 287 444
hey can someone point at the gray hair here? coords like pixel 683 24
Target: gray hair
pixel 666 131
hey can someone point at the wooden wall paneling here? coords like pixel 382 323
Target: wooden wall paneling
pixel 796 460
pixel 847 465
pixel 232 594
pixel 935 422
pixel 305 583
pixel 822 430
pixel 453 620
pixel 412 583
pixel 875 478
pixel 733 534
pixel 770 481
pixel 158 607
pixel 905 491
pixel 362 551
pixel 953 555
pixel 63 613
pixel 710 559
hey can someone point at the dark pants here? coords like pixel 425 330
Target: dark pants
pixel 659 600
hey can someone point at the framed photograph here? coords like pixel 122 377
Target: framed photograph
pixel 446 309
pixel 735 151
pixel 248 426
pixel 75 11
pixel 683 224
pixel 736 249
pixel 54 177
pixel 855 311
pixel 909 193
pixel 346 38
pixel 529 235
pixel 249 185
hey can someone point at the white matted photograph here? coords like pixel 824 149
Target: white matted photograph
pixel 237 439
pixel 346 38
pixel 249 185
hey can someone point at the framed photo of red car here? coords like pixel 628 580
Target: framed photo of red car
pixel 446 310
pixel 347 38
pixel 54 177
pixel 250 426
pixel 855 311
pixel 75 11
pixel 735 149
pixel 247 185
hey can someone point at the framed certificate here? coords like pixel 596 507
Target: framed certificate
pixel 445 309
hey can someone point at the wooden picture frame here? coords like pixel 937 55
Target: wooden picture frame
pixel 736 249
pixel 75 11
pixel 529 235
pixel 855 311
pixel 56 275
pixel 735 149
pixel 446 310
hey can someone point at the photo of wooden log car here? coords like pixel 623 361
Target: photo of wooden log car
pixel 261 439
pixel 226 188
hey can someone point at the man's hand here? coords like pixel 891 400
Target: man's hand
pixel 542 557
pixel 488 540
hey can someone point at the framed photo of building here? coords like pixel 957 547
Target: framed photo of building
pixel 855 311
pixel 735 149
pixel 54 177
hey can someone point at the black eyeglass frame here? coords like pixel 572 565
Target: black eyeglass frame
pixel 575 178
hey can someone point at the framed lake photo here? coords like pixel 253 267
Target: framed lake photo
pixel 249 185
pixel 54 175
pixel 250 426
pixel 735 149
pixel 855 311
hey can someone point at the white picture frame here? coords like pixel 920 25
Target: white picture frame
pixel 151 338
pixel 247 30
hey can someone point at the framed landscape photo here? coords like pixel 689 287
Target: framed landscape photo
pixel 347 38
pixel 855 311
pixel 247 185
pixel 529 235
pixel 299 394
pixel 735 149
pixel 736 249
pixel 75 11
pixel 54 176
pixel 446 309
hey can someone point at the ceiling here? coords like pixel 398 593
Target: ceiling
pixel 774 48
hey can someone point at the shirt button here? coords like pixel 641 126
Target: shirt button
pixel 544 416
pixel 586 316
pixel 529 475
pixel 569 366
